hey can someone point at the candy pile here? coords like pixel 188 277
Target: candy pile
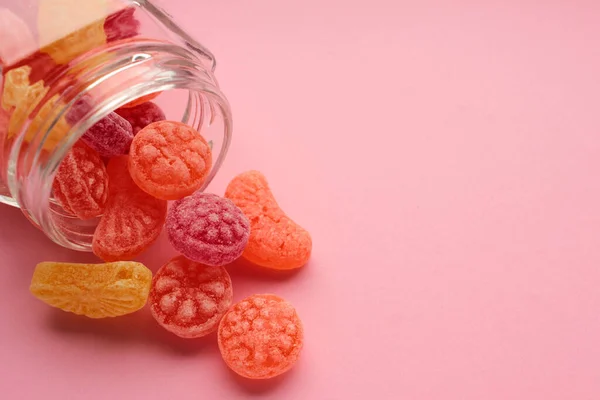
pixel 124 170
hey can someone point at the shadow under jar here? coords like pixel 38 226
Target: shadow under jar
pixel 106 53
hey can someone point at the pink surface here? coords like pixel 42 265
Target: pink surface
pixel 445 157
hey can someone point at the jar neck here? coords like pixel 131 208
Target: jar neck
pixel 88 90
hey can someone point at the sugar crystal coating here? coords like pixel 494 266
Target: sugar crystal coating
pixel 169 160
pixel 133 219
pixel 275 240
pixel 110 137
pixel 81 182
pixel 207 228
pixel 261 336
pixel 93 290
pixel 188 298
pixel 142 115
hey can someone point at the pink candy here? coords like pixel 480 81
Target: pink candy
pixel 208 229
pixel 110 137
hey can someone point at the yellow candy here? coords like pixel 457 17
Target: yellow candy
pixel 93 290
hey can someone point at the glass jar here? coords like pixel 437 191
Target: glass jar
pixel 56 55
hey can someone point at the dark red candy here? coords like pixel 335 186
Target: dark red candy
pixel 111 136
pixel 121 25
pixel 142 115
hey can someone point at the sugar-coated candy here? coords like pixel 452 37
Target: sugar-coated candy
pixel 207 228
pixel 17 39
pixel 261 336
pixel 132 220
pixel 275 240
pixel 81 182
pixel 110 137
pixel 188 298
pixel 169 160
pixel 16 84
pixel 93 290
pixel 121 25
pixel 140 100
pixel 142 115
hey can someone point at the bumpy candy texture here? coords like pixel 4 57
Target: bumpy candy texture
pixel 189 299
pixel 16 84
pixel 142 115
pixel 110 137
pixel 169 160
pixel 121 25
pixel 93 290
pixel 141 100
pixel 133 219
pixel 207 228
pixel 81 182
pixel 261 336
pixel 275 240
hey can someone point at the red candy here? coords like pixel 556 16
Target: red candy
pixel 169 160
pixel 121 25
pixel 81 183
pixel 207 228
pixel 188 298
pixel 261 336
pixel 142 115
pixel 132 220
pixel 110 137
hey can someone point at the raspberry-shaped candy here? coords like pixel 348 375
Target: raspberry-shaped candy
pixel 261 336
pixel 93 290
pixel 81 182
pixel 110 137
pixel 207 228
pixel 188 298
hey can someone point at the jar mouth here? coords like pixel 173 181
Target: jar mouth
pixel 105 80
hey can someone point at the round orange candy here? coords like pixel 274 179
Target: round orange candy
pixel 261 336
pixel 169 160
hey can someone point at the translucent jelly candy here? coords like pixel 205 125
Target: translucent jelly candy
pixel 207 228
pixel 169 160
pixel 141 115
pixel 111 136
pixel 81 182
pixel 261 336
pixel 140 100
pixel 188 298
pixel 93 290
pixel 275 240
pixel 121 25
pixel 132 220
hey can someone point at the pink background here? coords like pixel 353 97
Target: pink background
pixel 445 157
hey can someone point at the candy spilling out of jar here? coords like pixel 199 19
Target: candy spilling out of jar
pixel 123 171
pixel 191 295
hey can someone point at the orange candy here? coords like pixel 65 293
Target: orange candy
pixel 169 160
pixel 93 290
pixel 275 240
pixel 261 336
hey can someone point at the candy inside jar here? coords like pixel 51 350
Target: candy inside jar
pixel 79 84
